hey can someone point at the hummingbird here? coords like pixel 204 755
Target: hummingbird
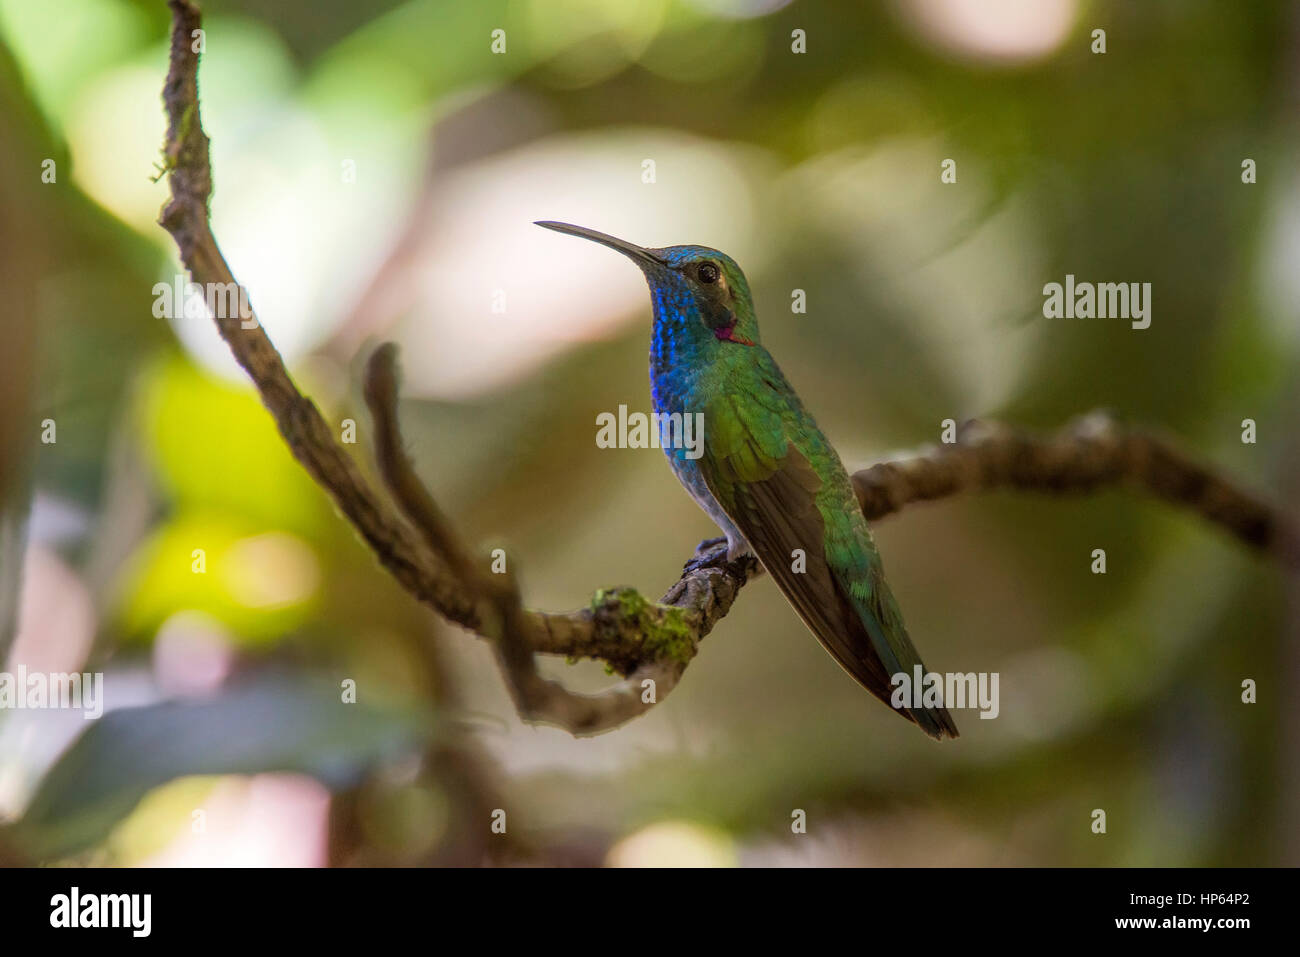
pixel 767 474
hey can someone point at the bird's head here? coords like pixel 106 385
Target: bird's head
pixel 693 285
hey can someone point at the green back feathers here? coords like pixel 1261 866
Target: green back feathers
pixel 780 482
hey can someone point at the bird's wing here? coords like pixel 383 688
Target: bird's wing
pixel 768 488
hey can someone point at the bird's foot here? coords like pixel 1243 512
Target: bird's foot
pixel 710 553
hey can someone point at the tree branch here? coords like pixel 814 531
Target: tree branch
pixel 1090 452
pixel 648 643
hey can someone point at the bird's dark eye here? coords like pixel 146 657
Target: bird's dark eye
pixel 709 273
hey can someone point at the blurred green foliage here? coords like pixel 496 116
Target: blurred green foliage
pixel 270 724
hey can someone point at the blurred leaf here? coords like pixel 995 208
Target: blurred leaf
pixel 268 724
pixel 259 584
pixel 64 46
pixel 215 445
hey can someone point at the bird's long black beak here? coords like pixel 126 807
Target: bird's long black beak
pixel 631 250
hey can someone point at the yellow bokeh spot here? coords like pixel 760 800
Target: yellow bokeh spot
pixel 675 844
pixel 270 570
